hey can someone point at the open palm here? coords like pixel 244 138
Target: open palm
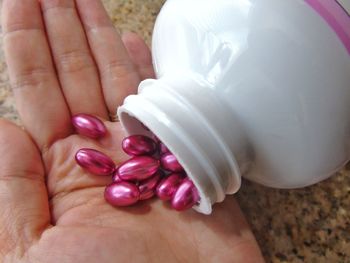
pixel 64 58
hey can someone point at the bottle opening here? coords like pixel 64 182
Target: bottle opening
pixel 192 129
pixel 132 125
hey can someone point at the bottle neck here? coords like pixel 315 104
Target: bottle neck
pixel 195 124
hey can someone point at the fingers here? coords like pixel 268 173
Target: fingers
pixel 118 75
pixel 24 209
pixel 75 65
pixel 39 100
pixel 139 54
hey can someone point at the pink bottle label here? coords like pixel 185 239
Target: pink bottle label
pixel 337 15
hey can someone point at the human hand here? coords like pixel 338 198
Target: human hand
pixel 64 59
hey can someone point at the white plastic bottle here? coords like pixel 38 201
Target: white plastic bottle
pixel 253 88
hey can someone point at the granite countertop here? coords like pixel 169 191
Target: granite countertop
pixel 305 225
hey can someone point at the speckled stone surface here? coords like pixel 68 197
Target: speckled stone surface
pixel 306 225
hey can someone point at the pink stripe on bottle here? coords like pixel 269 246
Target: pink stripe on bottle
pixel 336 16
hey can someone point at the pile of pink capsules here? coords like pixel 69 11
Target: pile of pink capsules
pixel 151 170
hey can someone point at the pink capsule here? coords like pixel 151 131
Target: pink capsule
pixel 169 162
pixel 150 183
pixel 95 162
pixel 138 168
pixel 89 126
pixel 147 195
pixel 122 194
pixel 116 178
pixel 185 196
pixel 168 186
pixel 136 145
pixel 163 149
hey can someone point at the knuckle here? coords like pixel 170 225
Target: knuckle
pixel 20 28
pixel 31 77
pixel 118 69
pixel 55 4
pixel 15 16
pixel 74 61
pixel 32 176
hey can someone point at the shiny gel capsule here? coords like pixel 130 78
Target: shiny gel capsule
pixel 136 145
pixel 89 126
pixel 116 178
pixel 185 196
pixel 169 162
pixel 168 186
pixel 122 194
pixel 150 183
pixel 138 168
pixel 147 195
pixel 163 149
pixel 95 162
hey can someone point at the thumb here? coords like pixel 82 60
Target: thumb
pixel 24 209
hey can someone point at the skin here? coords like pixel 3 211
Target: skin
pixel 64 58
